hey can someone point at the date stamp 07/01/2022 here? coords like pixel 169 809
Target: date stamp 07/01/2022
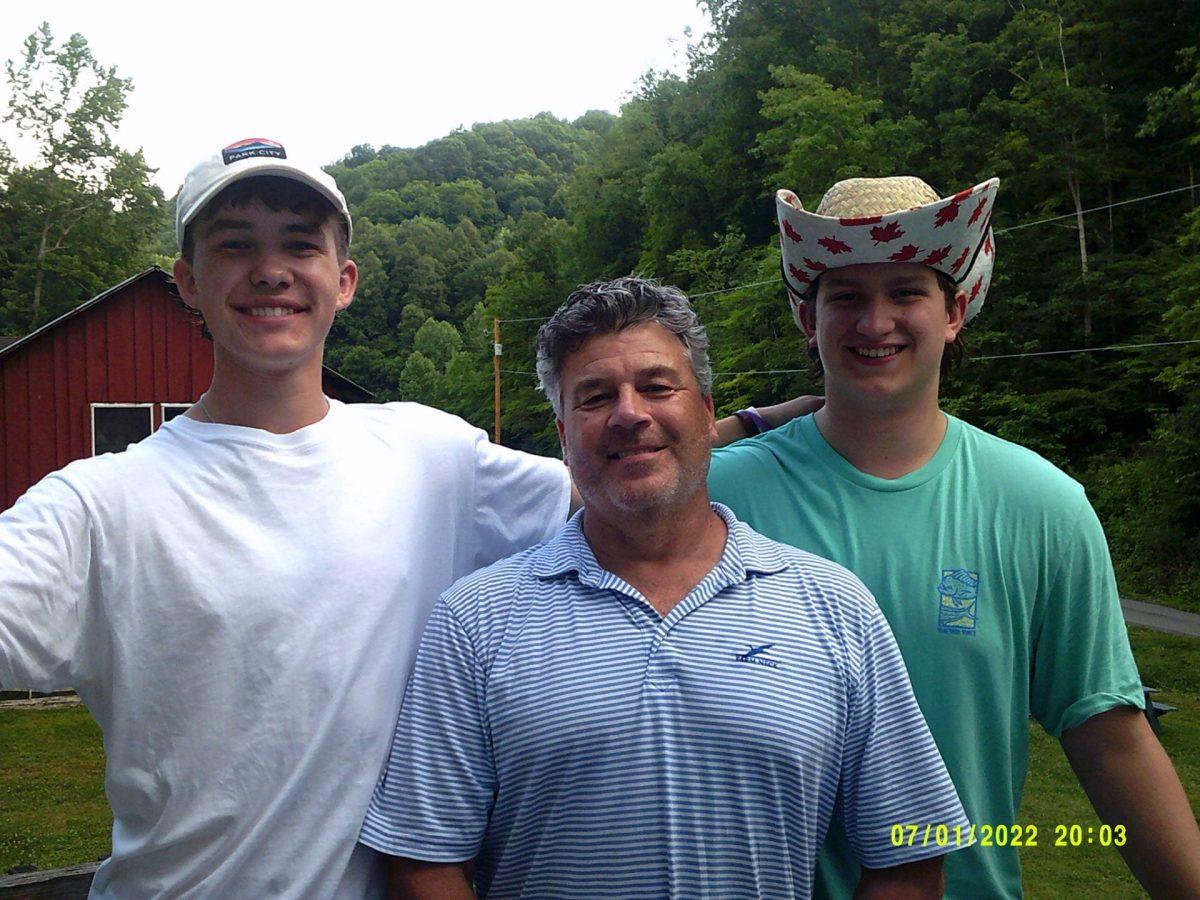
pixel 1077 835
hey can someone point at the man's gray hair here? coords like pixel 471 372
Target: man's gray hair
pixel 604 307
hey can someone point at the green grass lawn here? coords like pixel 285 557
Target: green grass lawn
pixel 53 813
pixel 52 807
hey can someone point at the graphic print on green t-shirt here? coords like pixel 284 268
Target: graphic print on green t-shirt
pixel 958 593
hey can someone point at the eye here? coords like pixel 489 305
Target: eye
pixel 658 389
pixel 231 244
pixel 592 401
pixel 304 247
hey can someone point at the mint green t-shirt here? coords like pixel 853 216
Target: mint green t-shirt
pixel 993 571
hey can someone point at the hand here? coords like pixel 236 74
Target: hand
pixel 782 413
pixel 730 428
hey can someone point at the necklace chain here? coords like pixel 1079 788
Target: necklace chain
pixel 204 409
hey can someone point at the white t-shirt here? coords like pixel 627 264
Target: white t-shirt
pixel 239 610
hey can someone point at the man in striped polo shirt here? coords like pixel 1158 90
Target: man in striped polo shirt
pixel 658 701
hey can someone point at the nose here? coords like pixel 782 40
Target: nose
pixel 271 270
pixel 629 411
pixel 876 318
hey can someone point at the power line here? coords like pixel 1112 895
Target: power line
pixel 760 372
pixel 969 359
pixel 1097 209
pixel 996 356
pixel 999 231
pixel 1085 350
pixel 738 288
pixel 729 290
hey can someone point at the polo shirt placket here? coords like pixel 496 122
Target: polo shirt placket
pixel 663 659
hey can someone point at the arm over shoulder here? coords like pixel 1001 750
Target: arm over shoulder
pixel 520 499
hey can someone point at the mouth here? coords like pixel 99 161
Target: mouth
pixel 875 352
pixel 634 453
pixel 271 312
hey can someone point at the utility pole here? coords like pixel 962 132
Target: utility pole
pixel 497 351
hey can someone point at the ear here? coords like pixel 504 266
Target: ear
pixel 712 420
pixel 805 314
pixel 347 283
pixel 795 302
pixel 185 281
pixel 956 315
pixel 562 439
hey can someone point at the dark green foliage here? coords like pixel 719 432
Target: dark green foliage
pixel 1075 105
pixel 440 228
pixel 1058 97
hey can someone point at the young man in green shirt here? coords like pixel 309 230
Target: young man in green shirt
pixel 988 561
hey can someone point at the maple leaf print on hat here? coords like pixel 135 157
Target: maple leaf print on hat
pixel 936 231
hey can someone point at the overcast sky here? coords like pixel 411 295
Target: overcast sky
pixel 326 76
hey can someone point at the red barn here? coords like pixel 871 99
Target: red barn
pixel 102 376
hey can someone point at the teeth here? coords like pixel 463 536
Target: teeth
pixel 270 311
pixel 876 352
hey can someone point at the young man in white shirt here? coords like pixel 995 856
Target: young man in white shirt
pixel 237 598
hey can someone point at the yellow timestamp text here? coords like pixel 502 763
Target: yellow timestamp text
pixel 929 834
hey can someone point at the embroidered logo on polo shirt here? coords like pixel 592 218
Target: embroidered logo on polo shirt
pixel 958 601
pixel 757 656
pixel 253 147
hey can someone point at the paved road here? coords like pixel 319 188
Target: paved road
pixel 1160 618
pixel 42 702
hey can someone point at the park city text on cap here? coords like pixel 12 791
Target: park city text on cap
pixel 895 219
pixel 245 159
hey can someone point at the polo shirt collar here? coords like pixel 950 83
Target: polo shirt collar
pixel 744 556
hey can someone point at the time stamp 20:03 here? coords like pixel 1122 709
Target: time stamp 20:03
pixel 930 835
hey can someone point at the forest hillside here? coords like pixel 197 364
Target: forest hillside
pixel 1087 351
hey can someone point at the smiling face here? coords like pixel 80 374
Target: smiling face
pixel 636 430
pixel 881 330
pixel 268 283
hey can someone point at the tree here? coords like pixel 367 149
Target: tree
pixel 419 379
pixel 825 134
pixel 438 342
pixel 1058 112
pixel 77 217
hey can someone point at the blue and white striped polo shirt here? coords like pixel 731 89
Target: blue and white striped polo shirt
pixel 575 743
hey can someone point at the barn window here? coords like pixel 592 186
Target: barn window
pixel 115 426
pixel 171 410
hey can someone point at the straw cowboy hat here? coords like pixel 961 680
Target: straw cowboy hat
pixel 896 219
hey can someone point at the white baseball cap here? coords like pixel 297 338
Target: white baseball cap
pixel 246 159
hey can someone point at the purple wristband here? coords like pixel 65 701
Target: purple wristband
pixel 752 420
